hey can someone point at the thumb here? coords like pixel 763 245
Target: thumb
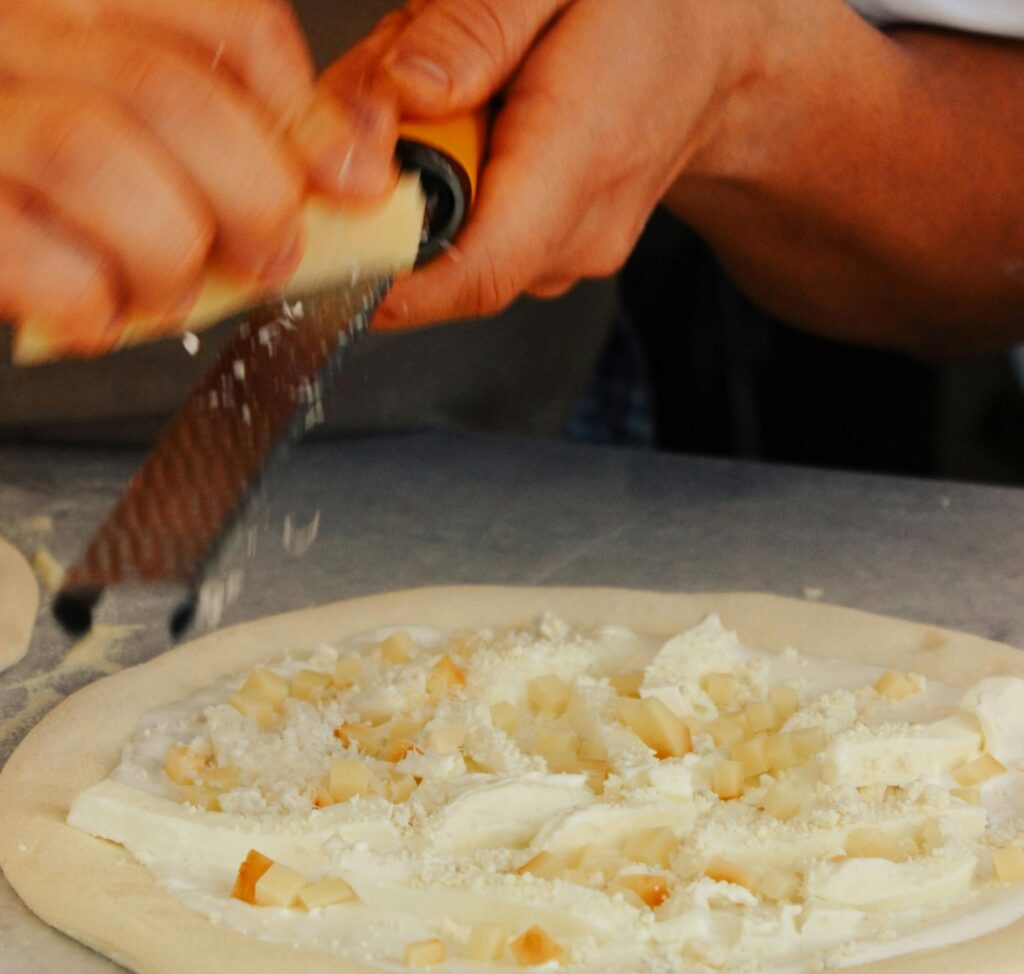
pixel 455 54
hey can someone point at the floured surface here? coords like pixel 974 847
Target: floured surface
pixel 19 601
pixel 114 880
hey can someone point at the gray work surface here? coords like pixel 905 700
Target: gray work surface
pixel 400 512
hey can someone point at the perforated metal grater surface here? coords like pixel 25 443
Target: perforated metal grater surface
pixel 261 393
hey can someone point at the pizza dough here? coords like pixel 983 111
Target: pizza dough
pixel 338 245
pixel 19 600
pixel 97 893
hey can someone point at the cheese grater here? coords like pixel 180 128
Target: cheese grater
pixel 262 393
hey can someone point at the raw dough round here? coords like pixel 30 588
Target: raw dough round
pixel 19 600
pixel 97 893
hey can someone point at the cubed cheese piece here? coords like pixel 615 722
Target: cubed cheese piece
pixel 1008 864
pixel 349 778
pixel 279 886
pixel 424 953
pixel 760 716
pixel 264 685
pixel 970 795
pixel 725 871
pixel 465 644
pixel 809 741
pixel 548 695
pixel 785 701
pixel 311 686
pixel 183 766
pixel 321 798
pixel 597 772
pixel 784 801
pixel 536 946
pixel 559 748
pixel 259 711
pixel 221 779
pixel 346 671
pixel 627 684
pixel 444 676
pixel 660 729
pixel 254 866
pixel 399 647
pixel 721 688
pixel 651 888
pixel 978 771
pixel 400 788
pixel 727 780
pixel 327 892
pixel 201 796
pixel 875 844
pixel 446 738
pixel 726 731
pixel 504 717
pixel 404 728
pixel 546 865
pixel 486 943
pixel 780 885
pixel 368 740
pixel 782 752
pixel 752 755
pixel 896 686
pixel 395 749
pixel 593 858
pixel 654 847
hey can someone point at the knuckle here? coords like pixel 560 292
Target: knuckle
pixel 266 23
pixel 494 287
pixel 478 37
pixel 159 78
pixel 74 136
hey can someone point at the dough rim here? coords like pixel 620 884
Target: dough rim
pixel 94 891
pixel 19 602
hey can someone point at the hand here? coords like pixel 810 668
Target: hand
pixel 142 139
pixel 603 102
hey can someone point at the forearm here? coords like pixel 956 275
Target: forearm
pixel 870 186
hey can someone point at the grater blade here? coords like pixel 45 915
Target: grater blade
pixel 261 393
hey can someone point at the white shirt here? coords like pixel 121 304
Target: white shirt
pixel 1004 17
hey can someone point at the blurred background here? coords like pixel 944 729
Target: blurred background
pixel 668 356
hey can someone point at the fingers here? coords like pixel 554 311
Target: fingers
pixel 504 250
pixel 453 55
pixel 352 157
pixel 250 183
pixel 260 41
pixel 102 174
pixel 46 272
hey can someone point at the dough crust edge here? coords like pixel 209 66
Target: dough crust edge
pixel 95 892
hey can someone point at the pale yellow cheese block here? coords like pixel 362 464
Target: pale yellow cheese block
pixel 19 600
pixel 338 245
pixel 96 892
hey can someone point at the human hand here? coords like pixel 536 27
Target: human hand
pixel 142 140
pixel 603 103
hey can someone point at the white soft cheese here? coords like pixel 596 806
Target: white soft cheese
pixel 899 754
pixel 447 857
pixel 998 705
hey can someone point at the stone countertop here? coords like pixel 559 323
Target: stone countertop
pixel 428 509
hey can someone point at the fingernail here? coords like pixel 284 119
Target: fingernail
pixel 420 72
pixel 278 269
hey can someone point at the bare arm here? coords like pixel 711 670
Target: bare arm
pixel 871 186
pixel 860 184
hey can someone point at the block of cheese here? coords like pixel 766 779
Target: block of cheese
pixel 338 244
